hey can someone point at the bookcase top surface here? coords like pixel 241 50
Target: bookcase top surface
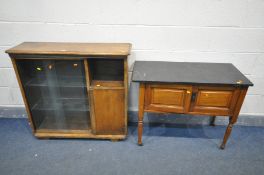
pixel 62 48
pixel 189 73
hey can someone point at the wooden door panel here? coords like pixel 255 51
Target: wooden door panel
pixel 168 98
pixel 214 100
pixel 109 111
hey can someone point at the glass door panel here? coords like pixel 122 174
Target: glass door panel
pixel 56 93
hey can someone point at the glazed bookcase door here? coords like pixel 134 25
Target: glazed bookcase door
pixel 56 94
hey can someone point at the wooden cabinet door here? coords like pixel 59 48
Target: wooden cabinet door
pixel 214 100
pixel 168 98
pixel 109 111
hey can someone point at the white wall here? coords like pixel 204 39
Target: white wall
pixel 168 30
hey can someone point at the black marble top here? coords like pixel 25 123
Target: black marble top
pixel 189 73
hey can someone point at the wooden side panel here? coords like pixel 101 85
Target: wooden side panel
pixel 239 103
pixel 214 100
pixel 23 95
pixel 109 109
pixel 88 79
pixel 168 98
pixel 126 92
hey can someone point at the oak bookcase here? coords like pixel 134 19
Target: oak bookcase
pixel 74 90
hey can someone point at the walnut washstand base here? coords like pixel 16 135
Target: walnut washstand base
pixel 212 89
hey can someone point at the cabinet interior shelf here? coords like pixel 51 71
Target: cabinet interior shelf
pixel 62 81
pixel 69 122
pixel 66 104
pixel 107 84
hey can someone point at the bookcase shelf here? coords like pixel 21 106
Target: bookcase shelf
pixel 66 104
pixel 106 69
pixel 71 121
pixel 63 81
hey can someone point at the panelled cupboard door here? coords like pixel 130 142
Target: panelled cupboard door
pixel 168 98
pixel 218 100
pixel 109 111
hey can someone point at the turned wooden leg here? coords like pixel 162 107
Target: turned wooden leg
pixel 140 132
pixel 227 133
pixel 212 121
pixel 141 112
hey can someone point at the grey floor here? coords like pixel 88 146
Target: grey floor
pixel 168 149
